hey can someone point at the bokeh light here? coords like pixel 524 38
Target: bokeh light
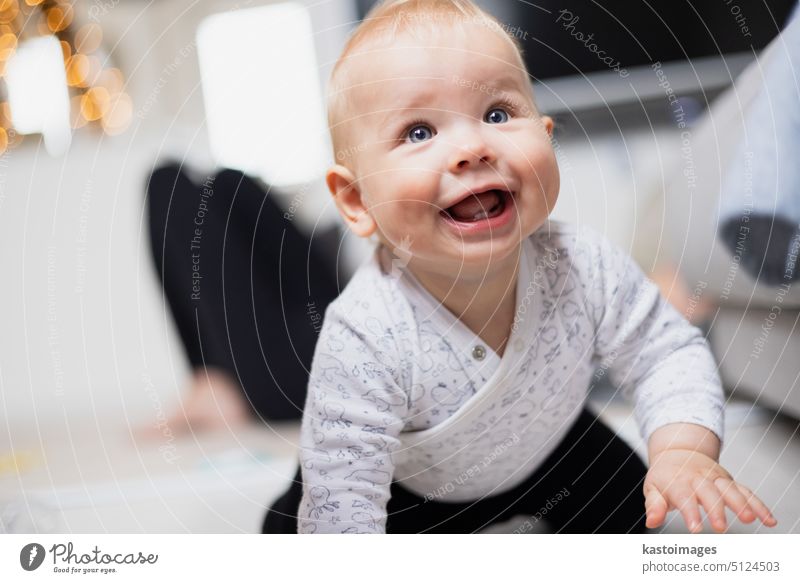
pixel 95 85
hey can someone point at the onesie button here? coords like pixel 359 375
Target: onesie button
pixel 478 352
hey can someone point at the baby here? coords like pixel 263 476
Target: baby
pixel 449 382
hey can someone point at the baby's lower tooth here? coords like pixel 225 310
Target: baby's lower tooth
pixel 479 216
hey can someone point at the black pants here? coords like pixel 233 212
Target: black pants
pixel 591 483
pixel 246 288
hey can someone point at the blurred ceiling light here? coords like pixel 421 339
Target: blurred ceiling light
pixel 37 92
pixel 59 17
pixel 262 97
pixel 118 114
pixel 88 38
pixel 96 92
pixel 77 70
pixel 8 43
pixel 8 10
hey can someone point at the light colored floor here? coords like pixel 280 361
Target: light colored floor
pixel 89 475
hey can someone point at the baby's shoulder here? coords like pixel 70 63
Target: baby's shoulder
pixel 563 242
pixel 363 331
pixel 371 303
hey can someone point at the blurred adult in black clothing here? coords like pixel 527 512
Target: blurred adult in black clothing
pixel 247 290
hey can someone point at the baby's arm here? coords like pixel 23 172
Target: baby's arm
pixel 353 415
pixel 665 366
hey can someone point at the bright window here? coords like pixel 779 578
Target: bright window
pixel 37 92
pixel 262 97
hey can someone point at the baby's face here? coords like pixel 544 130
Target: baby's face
pixel 450 157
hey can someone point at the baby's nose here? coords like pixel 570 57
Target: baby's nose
pixel 470 154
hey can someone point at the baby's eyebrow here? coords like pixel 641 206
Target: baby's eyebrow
pixel 505 80
pixel 420 99
pixel 393 115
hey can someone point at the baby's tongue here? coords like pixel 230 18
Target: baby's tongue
pixel 474 205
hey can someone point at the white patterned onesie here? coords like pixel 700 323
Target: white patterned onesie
pixel 400 389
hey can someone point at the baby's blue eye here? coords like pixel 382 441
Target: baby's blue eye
pixel 497 115
pixel 420 133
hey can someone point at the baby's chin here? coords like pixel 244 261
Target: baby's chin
pixel 471 260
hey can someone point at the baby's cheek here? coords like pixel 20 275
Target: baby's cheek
pixel 416 184
pixel 539 169
pixel 411 191
pixel 397 217
pixel 406 213
pixel 540 159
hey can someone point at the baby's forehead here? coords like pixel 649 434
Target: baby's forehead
pixel 402 67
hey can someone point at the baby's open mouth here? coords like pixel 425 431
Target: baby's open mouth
pixel 478 206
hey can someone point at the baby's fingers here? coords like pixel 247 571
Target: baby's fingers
pixel 685 501
pixel 714 504
pixel 758 506
pixel 655 507
pixel 735 499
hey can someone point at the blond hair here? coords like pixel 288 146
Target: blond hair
pixel 384 22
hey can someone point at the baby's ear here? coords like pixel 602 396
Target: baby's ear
pixel 347 196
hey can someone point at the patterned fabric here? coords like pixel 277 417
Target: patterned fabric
pixel 400 389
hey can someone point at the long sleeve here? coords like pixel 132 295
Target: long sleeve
pixel 353 415
pixel 657 358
